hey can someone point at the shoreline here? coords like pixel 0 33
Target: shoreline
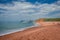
pixel 37 32
pixel 16 30
pixel 22 29
pixel 35 25
pixel 51 32
pixel 34 33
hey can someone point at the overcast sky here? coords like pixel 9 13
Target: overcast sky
pixel 16 10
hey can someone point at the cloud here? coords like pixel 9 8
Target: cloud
pixel 27 11
pixel 58 2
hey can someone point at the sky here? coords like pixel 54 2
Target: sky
pixel 16 10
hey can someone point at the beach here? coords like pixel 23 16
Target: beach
pixel 43 32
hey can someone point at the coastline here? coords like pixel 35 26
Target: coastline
pixel 44 32
pixel 16 30
pixel 35 25
pixel 34 33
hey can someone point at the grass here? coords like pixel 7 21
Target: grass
pixel 51 19
pixel 47 19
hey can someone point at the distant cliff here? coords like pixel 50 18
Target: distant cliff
pixel 47 19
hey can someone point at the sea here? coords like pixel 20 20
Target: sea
pixel 7 27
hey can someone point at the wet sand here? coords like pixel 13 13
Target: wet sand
pixel 50 32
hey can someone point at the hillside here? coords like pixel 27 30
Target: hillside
pixel 47 19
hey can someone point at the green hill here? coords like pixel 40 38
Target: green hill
pixel 51 19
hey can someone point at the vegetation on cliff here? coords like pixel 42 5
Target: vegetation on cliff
pixel 47 19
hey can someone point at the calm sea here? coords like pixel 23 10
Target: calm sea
pixel 9 26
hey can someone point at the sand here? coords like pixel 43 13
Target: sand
pixel 51 32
